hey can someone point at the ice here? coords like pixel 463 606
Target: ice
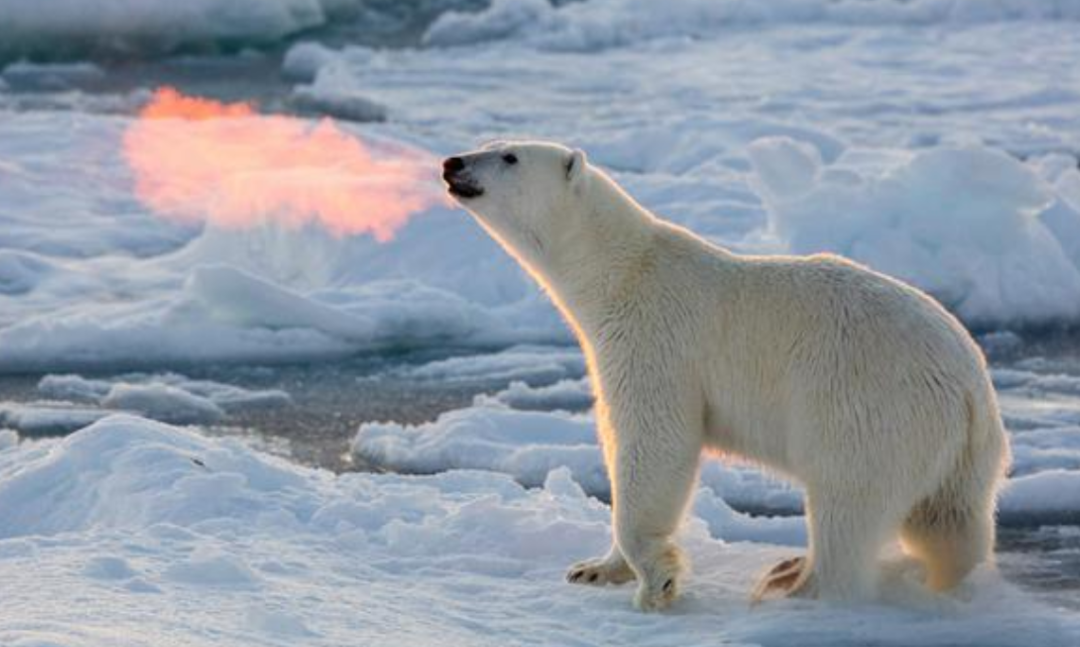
pixel 132 533
pixel 329 93
pixel 164 403
pixel 962 223
pixel 21 272
pixel 334 103
pixel 724 521
pixel 1047 494
pixel 525 444
pixel 529 444
pixel 166 397
pixel 154 25
pixel 90 278
pixel 531 364
pixel 47 419
pixel 76 388
pixel 526 432
pixel 8 438
pixel 24 75
pixel 564 395
pixel 302 61
pixel 608 23
pixel 502 19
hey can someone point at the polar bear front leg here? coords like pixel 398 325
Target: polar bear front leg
pixel 655 472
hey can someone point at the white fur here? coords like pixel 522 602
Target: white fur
pixel 859 387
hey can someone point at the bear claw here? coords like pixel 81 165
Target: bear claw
pixel 598 573
pixel 786 579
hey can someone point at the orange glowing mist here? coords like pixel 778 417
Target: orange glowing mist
pixel 197 159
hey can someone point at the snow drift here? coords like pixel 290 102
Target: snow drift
pixel 508 433
pixel 965 224
pixel 132 533
pixel 913 130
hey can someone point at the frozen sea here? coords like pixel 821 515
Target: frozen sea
pixel 276 435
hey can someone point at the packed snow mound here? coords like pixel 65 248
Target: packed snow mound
pixel 525 444
pixel 608 23
pixel 965 224
pixel 142 530
pixel 127 471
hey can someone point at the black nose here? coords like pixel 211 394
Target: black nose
pixel 453 165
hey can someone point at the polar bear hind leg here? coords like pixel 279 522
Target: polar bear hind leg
pixel 847 531
pixel 952 531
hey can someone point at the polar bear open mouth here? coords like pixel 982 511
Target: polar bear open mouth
pixel 463 189
pixel 459 183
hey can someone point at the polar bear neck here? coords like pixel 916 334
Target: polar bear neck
pixel 595 263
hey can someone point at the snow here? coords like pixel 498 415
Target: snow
pixel 154 25
pixel 163 402
pixel 610 23
pixel 24 75
pixel 526 432
pixel 527 363
pixel 47 419
pixel 932 139
pixel 71 402
pixel 8 438
pixel 962 223
pixel 771 140
pixel 131 533
pixel 229 397
pixel 1050 493
pixel 525 444
pixel 564 395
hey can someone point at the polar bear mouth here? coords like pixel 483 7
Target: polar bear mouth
pixel 463 189
pixel 458 179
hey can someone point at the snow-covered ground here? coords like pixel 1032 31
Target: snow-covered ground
pixel 939 154
pixel 937 140
pixel 526 432
pixel 132 533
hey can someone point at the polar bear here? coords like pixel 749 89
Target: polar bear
pixel 855 385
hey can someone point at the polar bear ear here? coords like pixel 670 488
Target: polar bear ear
pixel 575 166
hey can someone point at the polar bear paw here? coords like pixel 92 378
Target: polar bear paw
pixel 601 571
pixel 788 578
pixel 661 584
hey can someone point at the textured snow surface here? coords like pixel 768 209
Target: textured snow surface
pixel 526 432
pixel 153 25
pixel 598 24
pixel 131 532
pixel 935 153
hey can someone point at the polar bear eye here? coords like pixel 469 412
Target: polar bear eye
pixel 510 158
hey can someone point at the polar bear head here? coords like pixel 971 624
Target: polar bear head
pixel 527 195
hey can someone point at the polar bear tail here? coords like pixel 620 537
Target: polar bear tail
pixel 952 530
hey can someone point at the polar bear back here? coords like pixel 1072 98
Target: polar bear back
pixel 781 343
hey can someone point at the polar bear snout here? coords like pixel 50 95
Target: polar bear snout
pixel 459 182
pixel 452 165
